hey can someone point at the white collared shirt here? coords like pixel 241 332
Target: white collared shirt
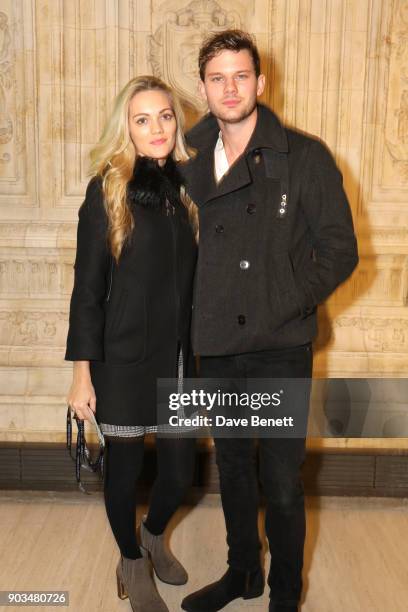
pixel 221 165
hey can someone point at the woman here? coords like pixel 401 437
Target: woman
pixel 130 318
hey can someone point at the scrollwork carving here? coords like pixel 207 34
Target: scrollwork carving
pixel 23 328
pixel 173 49
pixel 381 334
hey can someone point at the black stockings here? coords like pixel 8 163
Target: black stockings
pixel 123 464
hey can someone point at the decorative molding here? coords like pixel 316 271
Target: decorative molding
pixel 18 109
pixel 385 335
pixel 396 121
pixel 37 234
pixel 37 355
pixel 33 329
pixel 6 80
pixel 34 277
pixel 358 363
pixel 384 177
pixel 93 56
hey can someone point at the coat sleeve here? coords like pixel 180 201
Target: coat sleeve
pixel 86 316
pixel 330 222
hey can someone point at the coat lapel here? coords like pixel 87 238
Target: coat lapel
pixel 238 176
pixel 268 133
pixel 204 188
pixel 202 179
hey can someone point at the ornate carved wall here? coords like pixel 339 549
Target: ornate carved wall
pixel 337 69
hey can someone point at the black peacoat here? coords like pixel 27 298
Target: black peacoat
pixel 276 238
pixel 128 318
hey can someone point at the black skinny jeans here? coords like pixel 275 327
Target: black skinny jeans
pixel 123 464
pixel 280 460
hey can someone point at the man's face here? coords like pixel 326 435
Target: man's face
pixel 230 85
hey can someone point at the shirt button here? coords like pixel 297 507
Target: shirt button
pixel 257 155
pixel 219 229
pixel 251 208
pixel 241 319
pixel 244 264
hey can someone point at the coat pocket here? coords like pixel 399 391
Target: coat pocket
pixel 115 311
pixel 286 285
pixel 126 329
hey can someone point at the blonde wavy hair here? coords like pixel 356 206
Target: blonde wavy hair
pixel 114 156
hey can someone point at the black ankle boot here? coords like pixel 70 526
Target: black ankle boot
pixel 232 585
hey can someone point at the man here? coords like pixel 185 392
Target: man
pixel 276 238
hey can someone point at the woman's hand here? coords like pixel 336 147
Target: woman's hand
pixel 81 396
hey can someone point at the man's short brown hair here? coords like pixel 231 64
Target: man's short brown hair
pixel 228 40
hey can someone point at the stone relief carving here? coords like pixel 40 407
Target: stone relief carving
pixel 6 80
pixel 397 107
pixel 29 328
pixel 381 334
pixel 173 49
pixel 28 277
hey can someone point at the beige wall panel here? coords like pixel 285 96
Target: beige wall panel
pixel 384 180
pixel 18 118
pixel 335 68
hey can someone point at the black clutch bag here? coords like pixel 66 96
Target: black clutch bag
pixel 93 462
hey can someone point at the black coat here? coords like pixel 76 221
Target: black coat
pixel 276 238
pixel 128 318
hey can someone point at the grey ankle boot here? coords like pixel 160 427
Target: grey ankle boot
pixel 168 569
pixel 135 581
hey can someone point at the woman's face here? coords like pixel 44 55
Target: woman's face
pixel 152 124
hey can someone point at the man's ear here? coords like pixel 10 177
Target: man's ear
pixel 261 85
pixel 201 90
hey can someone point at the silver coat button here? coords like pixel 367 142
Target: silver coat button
pixel 244 264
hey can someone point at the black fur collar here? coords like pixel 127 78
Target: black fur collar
pixel 152 184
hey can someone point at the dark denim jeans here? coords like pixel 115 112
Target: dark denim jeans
pixel 280 461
